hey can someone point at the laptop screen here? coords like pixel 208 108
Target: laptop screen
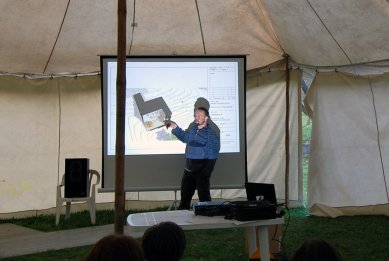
pixel 265 191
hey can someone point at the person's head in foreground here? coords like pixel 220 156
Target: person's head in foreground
pixel 164 241
pixel 316 250
pixel 116 247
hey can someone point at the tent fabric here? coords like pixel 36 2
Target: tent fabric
pixel 50 37
pixel 350 135
pixel 266 130
pixel 330 33
pixel 327 211
pixel 29 143
pixel 89 29
pixel 45 121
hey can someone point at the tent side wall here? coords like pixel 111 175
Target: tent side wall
pixel 29 143
pixel 348 171
pixel 45 121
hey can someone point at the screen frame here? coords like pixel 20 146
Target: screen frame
pixel 181 157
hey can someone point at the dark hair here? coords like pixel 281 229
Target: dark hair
pixel 116 247
pixel 316 249
pixel 206 112
pixel 164 241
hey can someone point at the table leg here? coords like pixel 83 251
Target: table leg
pixel 264 243
pixel 251 241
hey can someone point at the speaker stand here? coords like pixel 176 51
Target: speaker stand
pixel 175 202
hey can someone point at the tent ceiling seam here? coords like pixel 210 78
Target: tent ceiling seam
pixel 56 39
pixel 201 27
pixel 378 139
pixel 338 67
pixel 32 76
pixel 270 25
pixel 328 30
pixel 133 25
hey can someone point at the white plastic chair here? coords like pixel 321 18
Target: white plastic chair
pixel 90 199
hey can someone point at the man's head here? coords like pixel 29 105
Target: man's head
pixel 201 116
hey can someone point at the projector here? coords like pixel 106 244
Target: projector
pixel 211 208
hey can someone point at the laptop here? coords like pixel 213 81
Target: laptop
pixel 261 203
pixel 261 191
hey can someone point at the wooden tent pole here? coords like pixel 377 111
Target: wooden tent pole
pixel 287 154
pixel 120 118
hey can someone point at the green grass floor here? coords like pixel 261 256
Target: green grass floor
pixel 356 237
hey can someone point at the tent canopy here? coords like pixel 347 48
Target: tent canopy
pixel 54 37
pixel 43 38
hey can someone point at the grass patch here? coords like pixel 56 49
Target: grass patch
pixel 356 237
pixel 46 223
pixel 76 254
pixel 215 244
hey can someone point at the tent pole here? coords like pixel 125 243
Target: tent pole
pixel 120 118
pixel 287 154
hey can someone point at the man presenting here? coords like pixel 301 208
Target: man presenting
pixel 201 152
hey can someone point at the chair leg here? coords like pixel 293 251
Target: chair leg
pixel 58 212
pixel 92 211
pixel 68 204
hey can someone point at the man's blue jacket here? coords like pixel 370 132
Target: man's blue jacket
pixel 201 143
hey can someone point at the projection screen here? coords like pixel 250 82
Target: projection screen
pixel 169 87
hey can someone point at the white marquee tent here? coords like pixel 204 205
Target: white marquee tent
pixel 50 106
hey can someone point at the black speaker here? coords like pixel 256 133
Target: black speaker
pixel 76 177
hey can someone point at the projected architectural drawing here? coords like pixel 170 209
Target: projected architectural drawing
pixel 153 113
pixel 158 91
